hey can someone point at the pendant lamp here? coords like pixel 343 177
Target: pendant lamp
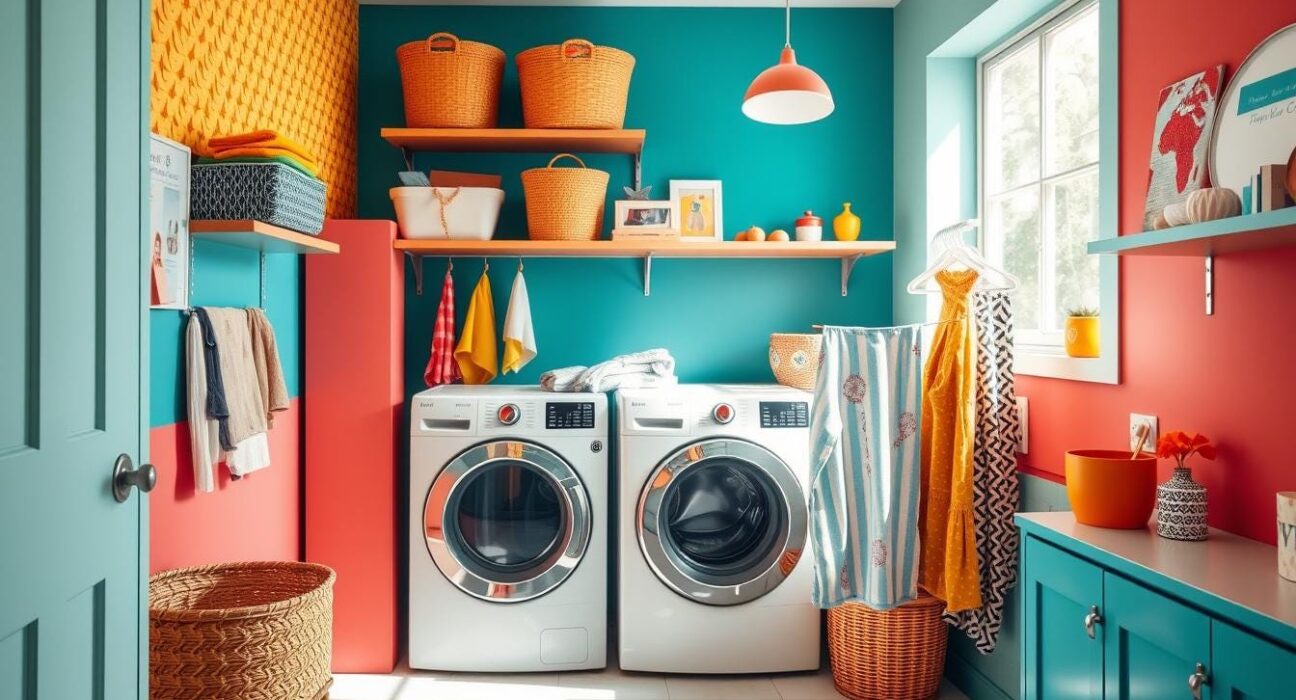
pixel 788 93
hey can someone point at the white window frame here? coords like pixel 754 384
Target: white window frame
pixel 1051 360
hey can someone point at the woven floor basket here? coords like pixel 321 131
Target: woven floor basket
pixel 574 85
pixel 897 654
pixel 794 358
pixel 564 204
pixel 450 83
pixel 253 631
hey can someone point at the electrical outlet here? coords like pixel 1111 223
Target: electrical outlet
pixel 1138 420
pixel 1023 419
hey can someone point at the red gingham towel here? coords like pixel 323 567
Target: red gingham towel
pixel 441 366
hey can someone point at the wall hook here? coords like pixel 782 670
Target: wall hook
pixel 520 265
pixel 485 265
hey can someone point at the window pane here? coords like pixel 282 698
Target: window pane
pixel 1071 93
pixel 1071 216
pixel 1013 236
pixel 1012 116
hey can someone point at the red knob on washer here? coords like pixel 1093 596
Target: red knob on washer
pixel 508 414
pixel 723 413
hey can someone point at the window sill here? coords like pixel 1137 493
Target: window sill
pixel 1054 364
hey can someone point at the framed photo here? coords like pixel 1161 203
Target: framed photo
pixel 168 229
pixel 644 214
pixel 700 206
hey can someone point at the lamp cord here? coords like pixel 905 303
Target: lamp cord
pixel 787 23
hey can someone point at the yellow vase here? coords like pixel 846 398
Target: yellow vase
pixel 1082 336
pixel 846 226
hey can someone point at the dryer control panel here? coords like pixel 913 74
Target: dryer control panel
pixel 784 414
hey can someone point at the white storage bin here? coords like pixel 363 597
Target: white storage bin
pixel 471 215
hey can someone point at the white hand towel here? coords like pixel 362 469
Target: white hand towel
pixel 519 336
pixel 562 379
pixel 607 375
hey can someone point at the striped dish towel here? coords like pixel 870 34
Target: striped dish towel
pixel 441 367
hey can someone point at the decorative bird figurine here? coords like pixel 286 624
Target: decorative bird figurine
pixel 641 194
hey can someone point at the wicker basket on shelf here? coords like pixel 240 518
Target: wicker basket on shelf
pixel 564 204
pixel 896 654
pixel 253 630
pixel 574 85
pixel 448 82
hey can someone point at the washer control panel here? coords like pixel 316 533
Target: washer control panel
pixel 508 414
pixel 784 414
pixel 569 415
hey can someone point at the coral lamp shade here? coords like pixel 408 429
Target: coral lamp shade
pixel 788 93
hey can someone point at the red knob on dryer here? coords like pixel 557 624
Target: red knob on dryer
pixel 508 414
pixel 723 413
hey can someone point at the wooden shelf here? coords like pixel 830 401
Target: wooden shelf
pixel 258 235
pixel 1272 229
pixel 629 141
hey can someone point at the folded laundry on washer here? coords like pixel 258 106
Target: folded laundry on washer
pixel 637 370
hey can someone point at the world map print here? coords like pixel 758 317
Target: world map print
pixel 1185 116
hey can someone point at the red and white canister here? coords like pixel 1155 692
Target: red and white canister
pixel 809 227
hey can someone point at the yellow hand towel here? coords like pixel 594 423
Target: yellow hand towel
pixel 476 352
pixel 264 138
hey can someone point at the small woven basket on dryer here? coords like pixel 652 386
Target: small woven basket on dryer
pixel 794 358
pixel 564 204
pixel 448 82
pixel 896 654
pixel 574 85
pixel 253 630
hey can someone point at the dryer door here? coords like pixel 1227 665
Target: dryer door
pixel 722 521
pixel 507 521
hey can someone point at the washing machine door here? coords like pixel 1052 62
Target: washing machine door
pixel 722 521
pixel 507 521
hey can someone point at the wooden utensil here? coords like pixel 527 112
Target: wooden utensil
pixel 1142 438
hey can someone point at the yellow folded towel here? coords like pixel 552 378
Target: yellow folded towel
pixel 265 138
pixel 476 352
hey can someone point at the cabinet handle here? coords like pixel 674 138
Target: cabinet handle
pixel 1198 679
pixel 1093 618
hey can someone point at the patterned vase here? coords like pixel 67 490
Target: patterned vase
pixel 1181 507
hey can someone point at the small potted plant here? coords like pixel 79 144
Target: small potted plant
pixel 1181 502
pixel 1082 332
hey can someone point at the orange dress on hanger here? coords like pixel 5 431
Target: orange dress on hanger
pixel 948 568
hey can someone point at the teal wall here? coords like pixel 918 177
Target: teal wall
pixel 693 66
pixel 224 276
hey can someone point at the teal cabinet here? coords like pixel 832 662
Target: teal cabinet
pixel 1153 643
pixel 1247 667
pixel 1063 647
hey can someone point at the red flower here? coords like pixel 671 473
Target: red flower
pixel 1180 446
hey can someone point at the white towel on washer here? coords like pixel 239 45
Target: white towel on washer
pixel 637 370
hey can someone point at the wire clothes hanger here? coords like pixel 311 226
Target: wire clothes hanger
pixel 953 251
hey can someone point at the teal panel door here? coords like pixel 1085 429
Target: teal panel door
pixel 72 558
pixel 1246 667
pixel 1063 647
pixel 1153 643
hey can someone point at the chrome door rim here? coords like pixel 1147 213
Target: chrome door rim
pixel 547 575
pixel 774 568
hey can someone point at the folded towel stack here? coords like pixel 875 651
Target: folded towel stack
pixel 262 146
pixel 260 175
pixel 638 370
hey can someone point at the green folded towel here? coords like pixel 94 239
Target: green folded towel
pixel 282 160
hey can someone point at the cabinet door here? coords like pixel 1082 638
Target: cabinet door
pixel 1153 643
pixel 1246 667
pixel 1061 661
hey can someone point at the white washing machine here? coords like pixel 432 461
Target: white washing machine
pixel 712 522
pixel 508 530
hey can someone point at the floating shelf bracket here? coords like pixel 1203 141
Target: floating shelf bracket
pixel 408 154
pixel 638 171
pixel 416 262
pixel 847 267
pixel 1210 285
pixel 647 274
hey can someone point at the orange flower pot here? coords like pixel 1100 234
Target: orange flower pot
pixel 1108 489
pixel 1082 336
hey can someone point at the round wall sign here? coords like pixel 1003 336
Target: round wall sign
pixel 1256 121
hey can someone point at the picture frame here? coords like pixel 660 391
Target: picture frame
pixel 645 214
pixel 168 230
pixel 699 206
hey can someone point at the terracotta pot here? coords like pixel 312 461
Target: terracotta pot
pixel 1109 489
pixel 1082 339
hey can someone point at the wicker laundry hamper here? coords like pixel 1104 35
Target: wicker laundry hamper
pixel 253 631
pixel 574 85
pixel 896 654
pixel 448 82
pixel 564 204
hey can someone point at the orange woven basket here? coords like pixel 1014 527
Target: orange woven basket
pixel 253 630
pixel 448 82
pixel 896 654
pixel 574 85
pixel 564 204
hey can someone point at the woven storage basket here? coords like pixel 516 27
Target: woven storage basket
pixel 254 631
pixel 564 204
pixel 794 357
pixel 896 654
pixel 269 192
pixel 574 85
pixel 448 82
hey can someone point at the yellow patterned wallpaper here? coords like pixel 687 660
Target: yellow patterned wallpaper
pixel 230 66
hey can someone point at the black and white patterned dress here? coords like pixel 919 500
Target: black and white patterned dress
pixel 994 458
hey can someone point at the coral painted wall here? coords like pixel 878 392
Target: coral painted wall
pixel 1228 375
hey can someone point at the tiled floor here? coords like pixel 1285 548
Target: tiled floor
pixel 609 684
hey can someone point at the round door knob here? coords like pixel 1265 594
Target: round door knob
pixel 508 414
pixel 126 476
pixel 723 413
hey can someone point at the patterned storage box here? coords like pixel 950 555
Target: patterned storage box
pixel 270 192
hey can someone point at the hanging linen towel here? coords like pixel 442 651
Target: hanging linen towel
pixel 269 370
pixel 519 336
pixel 864 487
pixel 441 366
pixel 949 568
pixel 247 415
pixel 214 404
pixel 204 430
pixel 476 353
pixel 994 460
